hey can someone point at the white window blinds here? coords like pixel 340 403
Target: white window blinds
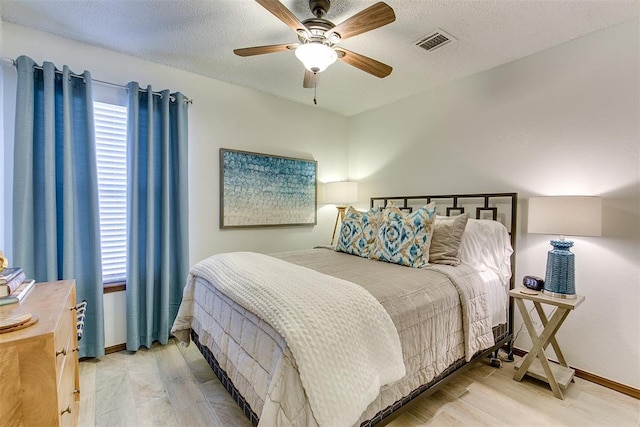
pixel 111 154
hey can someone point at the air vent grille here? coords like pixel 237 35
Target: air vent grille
pixel 435 40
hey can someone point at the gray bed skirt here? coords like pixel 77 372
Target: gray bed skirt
pixel 500 333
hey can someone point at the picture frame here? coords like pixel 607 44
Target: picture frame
pixel 264 190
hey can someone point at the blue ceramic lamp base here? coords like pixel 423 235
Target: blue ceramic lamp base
pixel 559 280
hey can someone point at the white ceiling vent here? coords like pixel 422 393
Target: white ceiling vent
pixel 435 40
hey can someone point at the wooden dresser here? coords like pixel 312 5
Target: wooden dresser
pixel 39 384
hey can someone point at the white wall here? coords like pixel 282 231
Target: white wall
pixel 561 122
pixel 222 115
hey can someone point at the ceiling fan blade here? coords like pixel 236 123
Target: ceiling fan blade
pixel 309 79
pixel 366 20
pixel 364 63
pixel 260 50
pixel 283 14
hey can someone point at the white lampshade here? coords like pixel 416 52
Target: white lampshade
pixel 315 56
pixel 565 215
pixel 341 192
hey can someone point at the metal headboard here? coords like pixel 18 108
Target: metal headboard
pixel 502 207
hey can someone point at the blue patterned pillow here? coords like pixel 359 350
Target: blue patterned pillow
pixel 358 231
pixel 404 238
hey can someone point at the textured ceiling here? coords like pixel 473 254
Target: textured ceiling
pixel 199 36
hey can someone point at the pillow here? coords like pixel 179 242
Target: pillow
pixel 358 231
pixel 486 245
pixel 405 238
pixel 447 235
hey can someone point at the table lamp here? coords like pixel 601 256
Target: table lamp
pixel 340 194
pixel 563 216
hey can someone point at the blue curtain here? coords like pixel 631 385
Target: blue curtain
pixel 157 213
pixel 56 226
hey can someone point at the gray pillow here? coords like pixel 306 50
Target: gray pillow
pixel 447 235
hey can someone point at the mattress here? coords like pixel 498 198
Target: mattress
pixel 424 305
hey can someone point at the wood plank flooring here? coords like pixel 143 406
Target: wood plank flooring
pixel 173 386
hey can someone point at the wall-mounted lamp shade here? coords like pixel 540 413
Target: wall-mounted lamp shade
pixel 315 56
pixel 342 192
pixel 565 216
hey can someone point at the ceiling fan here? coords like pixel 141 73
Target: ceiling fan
pixel 319 38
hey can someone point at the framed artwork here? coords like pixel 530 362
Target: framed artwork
pixel 261 190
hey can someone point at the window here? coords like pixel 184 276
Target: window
pixel 111 154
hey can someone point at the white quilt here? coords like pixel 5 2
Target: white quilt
pixel 340 330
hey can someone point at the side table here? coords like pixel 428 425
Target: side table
pixel 536 363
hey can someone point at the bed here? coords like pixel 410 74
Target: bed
pixel 387 332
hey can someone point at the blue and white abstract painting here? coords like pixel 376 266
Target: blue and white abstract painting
pixel 259 190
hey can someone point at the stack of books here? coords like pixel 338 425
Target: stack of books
pixel 14 287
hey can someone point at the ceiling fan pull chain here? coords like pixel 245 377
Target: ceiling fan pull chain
pixel 315 86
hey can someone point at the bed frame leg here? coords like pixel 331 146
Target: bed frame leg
pixel 494 359
pixel 510 356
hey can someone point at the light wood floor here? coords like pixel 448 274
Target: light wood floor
pixel 173 386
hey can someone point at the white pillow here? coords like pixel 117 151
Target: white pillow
pixel 486 245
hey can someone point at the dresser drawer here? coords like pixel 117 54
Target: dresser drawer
pixel 67 391
pixel 63 337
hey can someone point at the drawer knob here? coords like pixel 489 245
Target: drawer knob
pixel 68 410
pixel 76 391
pixel 63 352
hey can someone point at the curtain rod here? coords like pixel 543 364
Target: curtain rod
pixel 12 62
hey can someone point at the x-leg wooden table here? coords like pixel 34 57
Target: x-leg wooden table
pixel 536 363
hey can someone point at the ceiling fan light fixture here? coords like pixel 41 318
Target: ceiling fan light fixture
pixel 315 56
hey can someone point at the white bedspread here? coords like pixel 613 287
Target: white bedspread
pixel 332 326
